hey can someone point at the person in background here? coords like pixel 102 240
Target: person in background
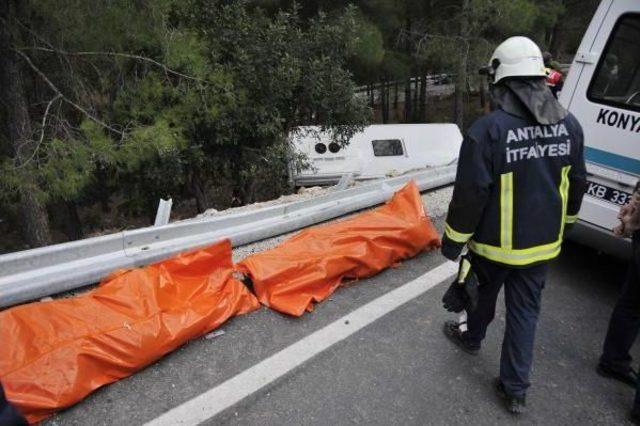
pixel 615 361
pixel 555 79
pixel 520 182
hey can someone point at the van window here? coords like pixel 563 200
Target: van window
pixel 616 81
pixel 387 148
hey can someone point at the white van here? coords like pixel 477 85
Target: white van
pixel 376 152
pixel 603 91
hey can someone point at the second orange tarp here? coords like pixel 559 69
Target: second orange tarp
pixel 53 354
pixel 310 266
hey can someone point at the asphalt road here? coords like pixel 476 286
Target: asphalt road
pixel 399 369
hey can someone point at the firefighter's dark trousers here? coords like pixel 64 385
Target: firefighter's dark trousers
pixel 523 291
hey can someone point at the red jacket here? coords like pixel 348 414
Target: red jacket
pixel 553 77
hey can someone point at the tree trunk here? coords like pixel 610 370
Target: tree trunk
pixel 104 193
pixel 395 101
pixel 69 219
pixel 244 185
pixel 416 100
pixel 461 77
pixel 548 38
pixel 483 96
pixel 384 97
pixel 407 101
pixel 458 106
pixel 249 191
pixel 423 99
pixel 554 41
pixel 408 110
pixel 388 100
pixel 198 191
pixel 35 223
pixel 243 193
pixel 372 99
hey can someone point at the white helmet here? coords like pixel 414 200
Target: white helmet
pixel 517 57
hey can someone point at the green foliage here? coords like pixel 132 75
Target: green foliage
pixel 67 169
pixel 368 49
pixel 101 25
pixel 283 72
pixel 161 140
pixel 185 51
pixel 10 182
pixel 502 18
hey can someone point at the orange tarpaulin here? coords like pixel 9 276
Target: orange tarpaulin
pixel 310 266
pixel 53 354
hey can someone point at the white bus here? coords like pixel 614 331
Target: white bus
pixel 603 91
pixel 378 151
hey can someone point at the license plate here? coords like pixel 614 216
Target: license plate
pixel 607 193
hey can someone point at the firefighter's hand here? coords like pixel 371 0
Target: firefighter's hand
pixel 463 292
pixel 461 297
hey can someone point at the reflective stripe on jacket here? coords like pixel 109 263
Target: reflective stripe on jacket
pixel 518 184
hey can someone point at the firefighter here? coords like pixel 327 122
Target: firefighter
pixel 520 182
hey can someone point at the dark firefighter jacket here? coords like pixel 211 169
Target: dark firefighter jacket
pixel 519 184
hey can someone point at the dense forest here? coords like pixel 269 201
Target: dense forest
pixel 108 105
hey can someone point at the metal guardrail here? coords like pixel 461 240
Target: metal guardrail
pixel 31 274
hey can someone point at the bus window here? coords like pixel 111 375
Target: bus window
pixel 616 81
pixel 334 147
pixel 387 148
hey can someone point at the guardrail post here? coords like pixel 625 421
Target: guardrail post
pixel 345 181
pixel 164 211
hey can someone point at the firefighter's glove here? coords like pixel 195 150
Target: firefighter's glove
pixel 463 292
pixel 450 249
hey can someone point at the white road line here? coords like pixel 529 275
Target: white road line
pixel 223 396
